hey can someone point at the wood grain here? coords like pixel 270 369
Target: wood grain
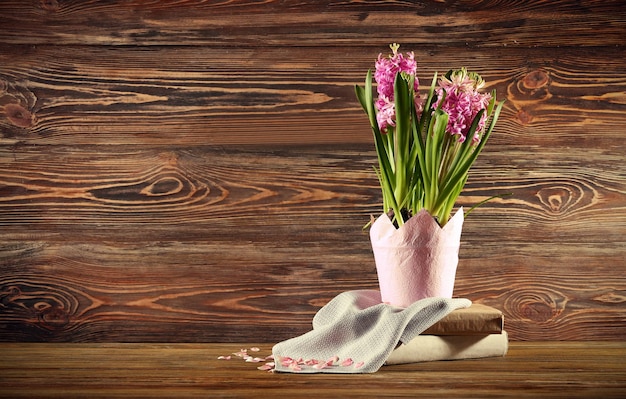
pixel 152 238
pixel 200 171
pixel 322 23
pixel 530 370
pixel 333 185
pixel 99 95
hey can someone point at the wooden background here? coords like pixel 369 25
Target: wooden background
pixel 197 171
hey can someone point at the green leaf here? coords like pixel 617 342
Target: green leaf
pixel 467 163
pixel 403 130
pixel 487 200
pixel 466 148
pixel 360 95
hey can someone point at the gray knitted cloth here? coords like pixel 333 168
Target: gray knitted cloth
pixel 356 333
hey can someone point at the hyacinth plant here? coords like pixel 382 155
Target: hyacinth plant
pixel 425 147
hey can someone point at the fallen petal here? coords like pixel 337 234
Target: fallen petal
pixel 223 357
pixel 332 360
pixel 347 362
pixel 255 349
pixel 286 361
pixel 241 353
pixel 295 367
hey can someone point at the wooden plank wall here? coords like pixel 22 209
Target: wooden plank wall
pixel 200 170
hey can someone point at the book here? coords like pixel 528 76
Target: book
pixel 478 319
pixel 426 348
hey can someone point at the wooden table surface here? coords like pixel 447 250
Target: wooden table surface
pixel 530 369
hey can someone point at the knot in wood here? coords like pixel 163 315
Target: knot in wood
pixel 18 115
pixel 538 304
pixel 9 294
pixel 532 88
pixel 524 117
pixel 49 5
pixel 163 187
pixel 53 318
pixel 535 79
pixel 539 312
pixel 560 199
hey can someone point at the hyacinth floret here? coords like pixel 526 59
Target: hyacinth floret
pixel 462 102
pixel 387 67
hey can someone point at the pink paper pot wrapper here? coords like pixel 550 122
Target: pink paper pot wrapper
pixel 417 260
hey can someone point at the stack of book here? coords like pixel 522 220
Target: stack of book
pixel 470 333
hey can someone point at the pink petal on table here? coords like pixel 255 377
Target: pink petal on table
pixel 332 360
pixel 223 357
pixel 320 366
pixel 295 367
pixel 266 367
pixel 255 349
pixel 285 361
pixel 347 362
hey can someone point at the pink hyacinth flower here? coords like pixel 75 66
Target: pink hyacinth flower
pixel 386 70
pixel 462 103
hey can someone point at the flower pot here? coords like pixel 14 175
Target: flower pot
pixel 417 260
